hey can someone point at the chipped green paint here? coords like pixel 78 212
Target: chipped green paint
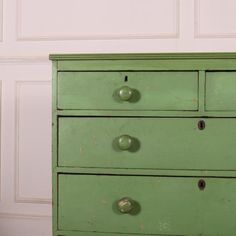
pixel 164 205
pixel 220 91
pixel 158 143
pixel 150 90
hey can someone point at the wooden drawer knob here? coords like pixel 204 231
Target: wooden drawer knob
pixel 125 93
pixel 125 205
pixel 125 142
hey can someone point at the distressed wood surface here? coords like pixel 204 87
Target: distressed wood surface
pixel 164 143
pixel 151 90
pixel 173 154
pixel 161 205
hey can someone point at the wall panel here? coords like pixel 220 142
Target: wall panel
pixel 33 141
pixel 215 19
pixel 81 19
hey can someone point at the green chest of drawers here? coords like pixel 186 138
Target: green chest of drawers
pixel 144 144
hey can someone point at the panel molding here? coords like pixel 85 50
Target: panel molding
pixel 1 21
pixel 7 215
pixel 174 35
pixel 24 60
pixel 18 197
pixel 197 26
pixel 0 140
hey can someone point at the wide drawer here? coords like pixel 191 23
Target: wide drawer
pixel 128 90
pixel 220 91
pixel 147 205
pixel 147 143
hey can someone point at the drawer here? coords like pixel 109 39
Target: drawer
pixel 147 143
pixel 128 90
pixel 220 91
pixel 147 205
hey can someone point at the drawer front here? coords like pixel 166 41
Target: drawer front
pixel 147 143
pixel 128 90
pixel 147 205
pixel 220 91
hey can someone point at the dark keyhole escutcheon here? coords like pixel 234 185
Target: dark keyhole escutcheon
pixel 201 124
pixel 201 184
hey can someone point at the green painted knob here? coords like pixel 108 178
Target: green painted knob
pixel 125 205
pixel 125 142
pixel 125 93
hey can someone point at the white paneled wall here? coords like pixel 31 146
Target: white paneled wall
pixel 30 30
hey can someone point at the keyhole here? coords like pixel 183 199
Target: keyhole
pixel 126 78
pixel 201 184
pixel 201 125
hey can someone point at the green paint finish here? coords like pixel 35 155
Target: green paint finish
pixel 164 143
pixel 149 172
pixel 148 90
pixel 143 56
pixel 137 138
pixel 162 205
pixel 54 147
pixel 110 113
pixel 77 233
pixel 220 91
pixel 147 65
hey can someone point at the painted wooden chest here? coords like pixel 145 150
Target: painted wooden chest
pixel 144 144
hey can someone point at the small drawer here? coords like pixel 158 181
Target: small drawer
pixel 147 205
pixel 221 91
pixel 147 143
pixel 128 90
